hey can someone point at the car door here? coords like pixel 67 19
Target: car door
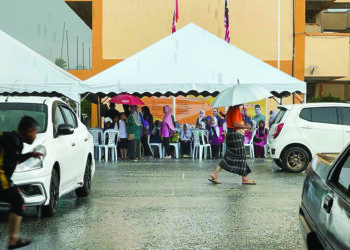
pixel 345 120
pixel 77 163
pixel 336 205
pixel 320 128
pixel 63 147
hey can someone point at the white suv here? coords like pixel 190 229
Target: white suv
pixel 302 130
pixel 68 163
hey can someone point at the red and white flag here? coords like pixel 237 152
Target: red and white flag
pixel 175 16
pixel 227 26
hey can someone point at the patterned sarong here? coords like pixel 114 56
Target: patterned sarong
pixel 235 158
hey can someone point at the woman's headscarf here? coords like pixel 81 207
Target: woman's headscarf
pixel 273 115
pixel 135 114
pixel 167 118
pixel 214 127
pixel 201 115
pixel 262 130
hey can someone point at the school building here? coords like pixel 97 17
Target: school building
pixel 309 37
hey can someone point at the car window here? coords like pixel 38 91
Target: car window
pixel 11 114
pixel 58 120
pixel 305 114
pixel 324 115
pixel 71 120
pixel 346 116
pixel 344 177
pixel 280 116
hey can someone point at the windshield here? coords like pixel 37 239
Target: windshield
pixel 11 114
pixel 280 115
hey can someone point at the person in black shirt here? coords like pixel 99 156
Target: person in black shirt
pixel 112 112
pixel 11 145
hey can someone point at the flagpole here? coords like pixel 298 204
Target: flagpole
pixel 278 34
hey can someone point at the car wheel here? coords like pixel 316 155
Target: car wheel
pixel 295 160
pixel 278 162
pixel 51 208
pixel 85 189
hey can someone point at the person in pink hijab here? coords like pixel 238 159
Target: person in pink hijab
pixel 167 130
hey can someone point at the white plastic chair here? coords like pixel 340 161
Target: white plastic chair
pixel 113 136
pixel 206 144
pixel 198 146
pixel 251 145
pixel 157 145
pixel 97 136
pixel 176 145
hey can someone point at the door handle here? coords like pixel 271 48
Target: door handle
pixel 306 127
pixel 328 202
pixel 73 144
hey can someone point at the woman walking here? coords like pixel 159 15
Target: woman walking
pixel 134 133
pixel 167 130
pixel 235 159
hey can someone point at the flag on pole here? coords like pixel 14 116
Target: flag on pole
pixel 227 26
pixel 175 16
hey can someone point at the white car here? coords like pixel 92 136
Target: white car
pixel 68 163
pixel 302 130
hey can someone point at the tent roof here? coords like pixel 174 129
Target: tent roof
pixel 24 71
pixel 190 61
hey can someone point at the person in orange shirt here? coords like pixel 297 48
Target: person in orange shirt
pixel 234 160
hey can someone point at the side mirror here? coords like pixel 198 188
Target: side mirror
pixel 65 129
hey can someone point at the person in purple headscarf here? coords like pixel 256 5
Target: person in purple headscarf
pixel 260 140
pixel 167 130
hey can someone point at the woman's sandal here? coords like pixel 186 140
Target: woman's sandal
pixel 249 182
pixel 214 180
pixel 21 242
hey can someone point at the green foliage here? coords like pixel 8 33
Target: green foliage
pixel 86 107
pixel 328 98
pixel 60 62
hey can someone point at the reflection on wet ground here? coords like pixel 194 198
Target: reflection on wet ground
pixel 170 204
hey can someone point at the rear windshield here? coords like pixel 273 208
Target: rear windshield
pixel 11 114
pixel 280 115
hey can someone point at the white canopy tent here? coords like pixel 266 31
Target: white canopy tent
pixel 23 71
pixel 190 61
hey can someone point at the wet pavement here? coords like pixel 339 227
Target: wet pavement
pixel 170 204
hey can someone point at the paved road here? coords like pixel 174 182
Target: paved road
pixel 170 204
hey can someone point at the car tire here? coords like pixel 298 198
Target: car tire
pixel 295 159
pixel 51 208
pixel 278 162
pixel 86 188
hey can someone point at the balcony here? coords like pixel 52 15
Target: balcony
pixel 327 56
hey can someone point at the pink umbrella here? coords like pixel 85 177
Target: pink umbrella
pixel 126 99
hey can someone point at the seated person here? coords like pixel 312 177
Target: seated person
pixel 260 140
pixel 185 140
pixel 155 136
pixel 248 133
pixel 216 138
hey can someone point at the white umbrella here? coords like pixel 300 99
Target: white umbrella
pixel 239 94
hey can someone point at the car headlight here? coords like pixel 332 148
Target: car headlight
pixel 32 163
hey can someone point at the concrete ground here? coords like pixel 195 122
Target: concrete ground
pixel 170 204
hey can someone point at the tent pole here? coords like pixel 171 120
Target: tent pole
pixel 99 112
pixel 174 107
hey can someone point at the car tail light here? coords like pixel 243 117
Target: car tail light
pixel 278 130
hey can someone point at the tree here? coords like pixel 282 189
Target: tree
pixel 60 62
